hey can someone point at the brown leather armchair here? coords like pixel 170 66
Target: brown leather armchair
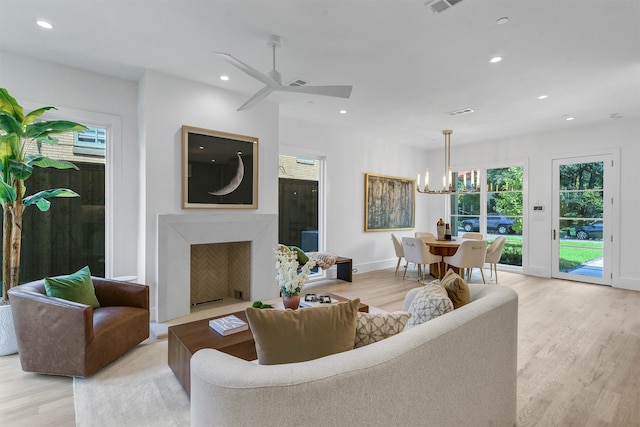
pixel 62 337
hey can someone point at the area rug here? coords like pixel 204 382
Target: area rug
pixel 139 389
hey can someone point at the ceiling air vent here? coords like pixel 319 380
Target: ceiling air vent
pixel 439 6
pixel 297 82
pixel 460 111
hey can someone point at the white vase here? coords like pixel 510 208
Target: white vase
pixel 8 341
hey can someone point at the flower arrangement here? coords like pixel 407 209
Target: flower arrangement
pixel 290 281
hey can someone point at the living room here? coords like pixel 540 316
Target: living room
pixel 146 111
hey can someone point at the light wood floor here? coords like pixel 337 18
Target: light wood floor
pixel 578 354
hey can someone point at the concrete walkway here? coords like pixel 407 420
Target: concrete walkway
pixel 591 268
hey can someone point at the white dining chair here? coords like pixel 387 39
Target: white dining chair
pixel 417 252
pixel 471 254
pixel 494 253
pixel 425 235
pixel 476 236
pixel 397 245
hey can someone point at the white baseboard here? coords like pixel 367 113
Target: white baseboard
pixel 626 283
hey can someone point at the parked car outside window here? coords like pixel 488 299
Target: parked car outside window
pixel 589 231
pixel 495 222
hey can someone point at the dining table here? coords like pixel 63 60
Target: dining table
pixel 444 248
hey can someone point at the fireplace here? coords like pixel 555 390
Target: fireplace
pixel 219 270
pixel 177 234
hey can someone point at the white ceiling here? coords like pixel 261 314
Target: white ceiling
pixel 408 66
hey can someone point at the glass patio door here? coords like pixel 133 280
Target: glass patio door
pixel 582 207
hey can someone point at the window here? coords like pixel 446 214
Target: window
pixel 504 211
pixel 465 209
pixel 298 180
pixel 71 234
pixel 91 142
pixel 502 214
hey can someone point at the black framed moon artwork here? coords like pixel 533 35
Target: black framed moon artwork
pixel 219 170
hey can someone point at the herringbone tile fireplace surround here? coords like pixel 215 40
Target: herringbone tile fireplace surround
pixel 219 270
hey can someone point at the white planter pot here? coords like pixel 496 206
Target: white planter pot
pixel 8 341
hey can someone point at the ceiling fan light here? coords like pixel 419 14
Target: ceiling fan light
pixel 273 81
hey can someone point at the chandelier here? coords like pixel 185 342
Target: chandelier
pixel 449 182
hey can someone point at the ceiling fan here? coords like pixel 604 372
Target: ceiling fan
pixel 273 80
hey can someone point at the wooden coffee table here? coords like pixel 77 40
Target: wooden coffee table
pixel 186 339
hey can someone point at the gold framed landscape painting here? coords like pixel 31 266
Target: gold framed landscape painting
pixel 219 170
pixel 389 203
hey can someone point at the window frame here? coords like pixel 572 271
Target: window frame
pixel 322 157
pixel 113 163
pixel 483 191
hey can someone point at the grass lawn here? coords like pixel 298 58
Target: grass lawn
pixel 574 253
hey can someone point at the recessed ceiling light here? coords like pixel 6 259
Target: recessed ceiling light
pixel 543 96
pixel 495 59
pixel 502 20
pixel 343 111
pixel 569 118
pixel 224 78
pixel 44 24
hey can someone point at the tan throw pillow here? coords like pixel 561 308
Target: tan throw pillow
pixel 288 336
pixel 428 303
pixel 376 327
pixel 457 289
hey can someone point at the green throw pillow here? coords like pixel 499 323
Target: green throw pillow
pixel 302 257
pixel 76 287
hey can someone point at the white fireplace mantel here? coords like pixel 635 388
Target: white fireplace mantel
pixel 176 234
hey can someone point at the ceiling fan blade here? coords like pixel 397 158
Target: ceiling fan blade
pixel 337 91
pixel 248 69
pixel 259 96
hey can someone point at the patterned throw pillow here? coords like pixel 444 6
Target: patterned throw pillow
pixel 325 260
pixel 372 328
pixel 429 302
pixel 457 289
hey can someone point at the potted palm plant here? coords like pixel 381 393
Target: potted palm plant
pixel 17 131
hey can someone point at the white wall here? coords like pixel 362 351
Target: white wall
pixel 147 157
pixel 147 162
pixel 351 156
pixel 90 97
pixel 538 152
pixel 166 103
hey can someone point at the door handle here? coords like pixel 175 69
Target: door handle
pixel 554 234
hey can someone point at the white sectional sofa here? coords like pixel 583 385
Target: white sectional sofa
pixel 456 370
